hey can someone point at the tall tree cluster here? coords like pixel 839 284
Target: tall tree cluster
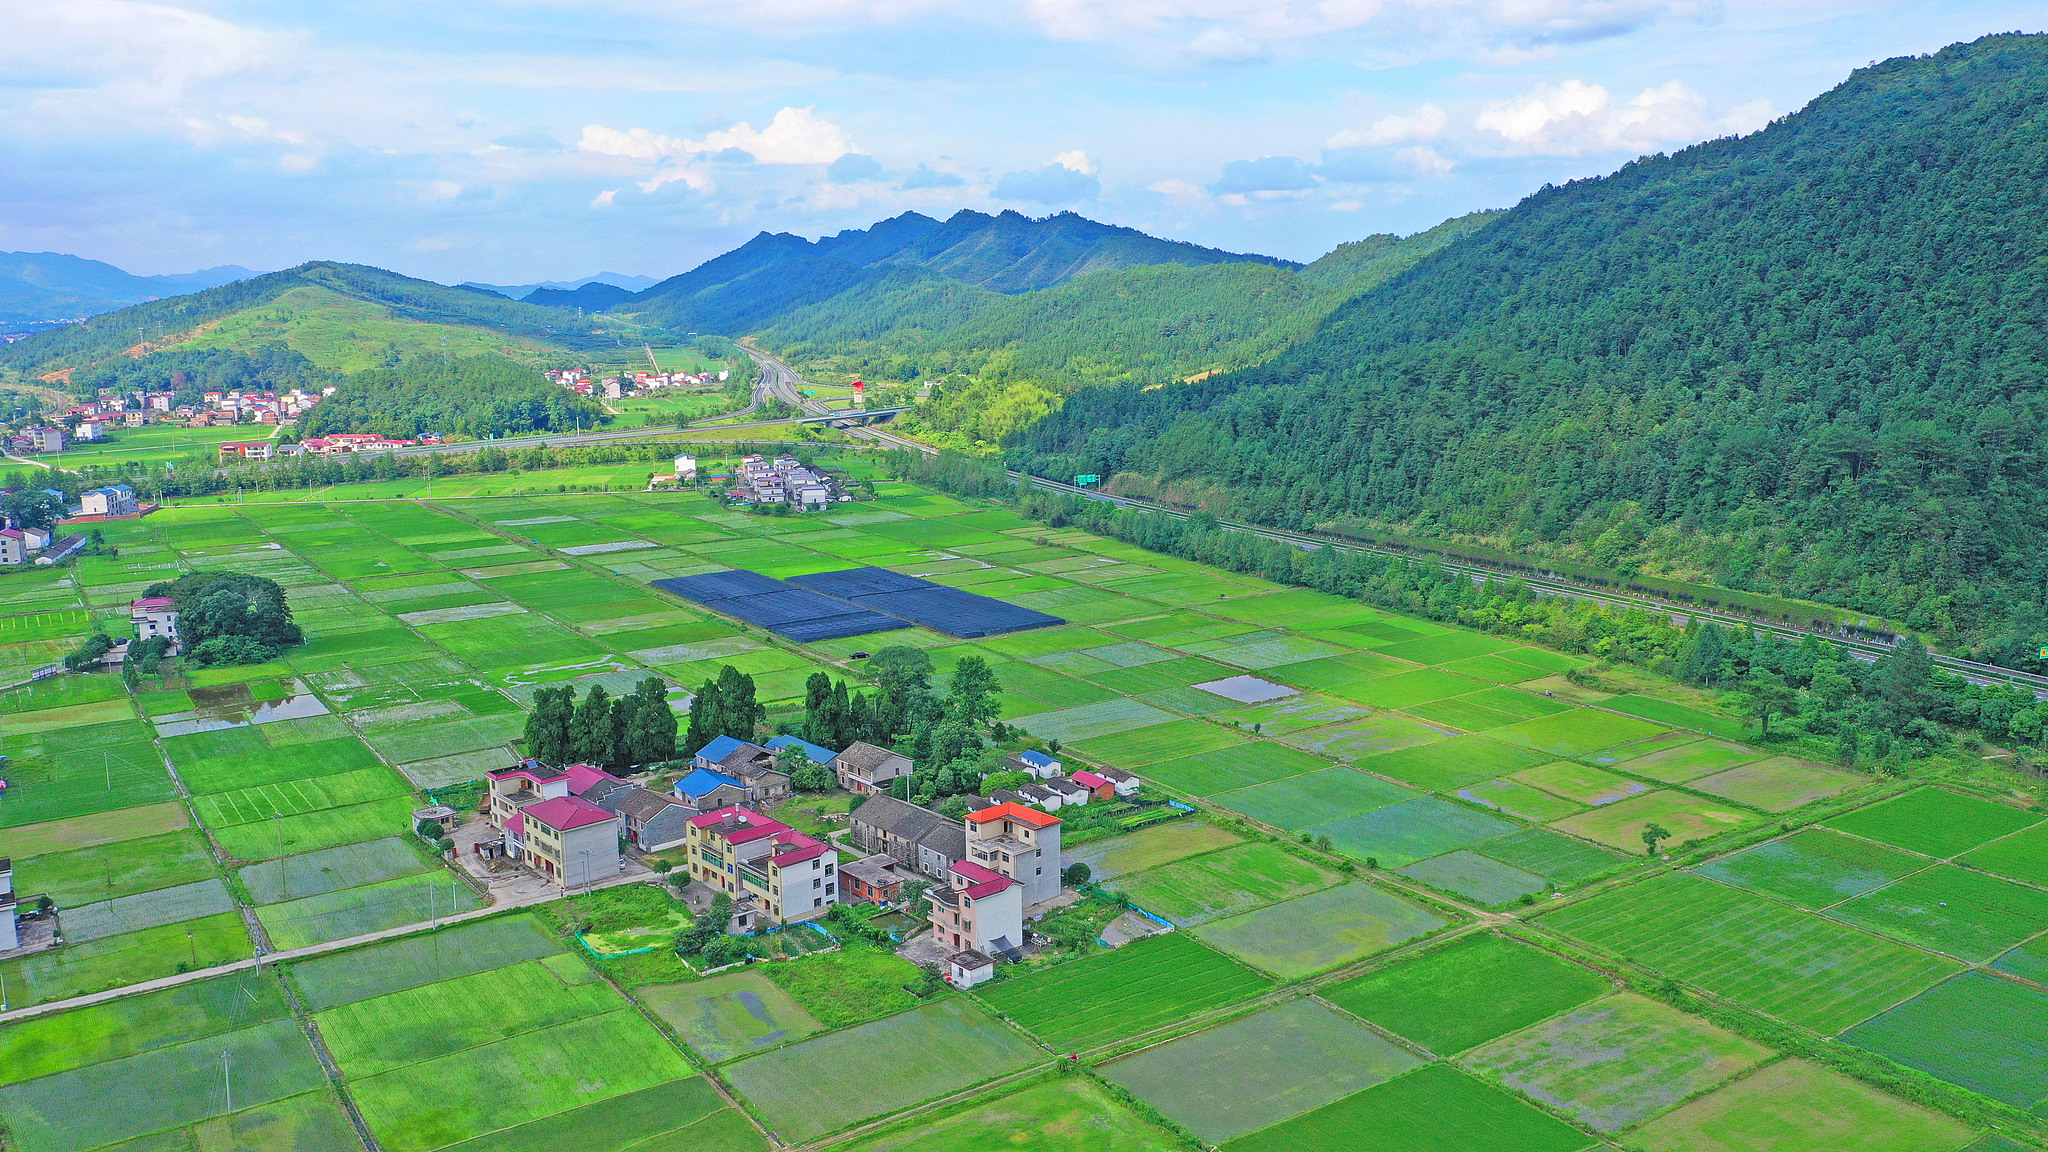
pixel 626 732
pixel 724 706
pixel 230 617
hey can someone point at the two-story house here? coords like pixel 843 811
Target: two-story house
pixel 915 837
pixel 568 840
pixel 747 764
pixel 653 822
pixel 784 873
pixel 865 769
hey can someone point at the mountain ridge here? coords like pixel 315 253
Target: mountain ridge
pixel 42 287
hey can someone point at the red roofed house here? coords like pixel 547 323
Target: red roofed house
pixel 570 840
pixel 1099 787
pixel 981 914
pixel 548 823
pixel 763 864
pixel 1020 843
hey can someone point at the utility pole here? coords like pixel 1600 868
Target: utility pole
pixel 227 1080
pixel 284 875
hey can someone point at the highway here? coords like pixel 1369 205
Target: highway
pixel 787 385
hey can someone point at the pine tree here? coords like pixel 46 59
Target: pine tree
pixel 590 734
pixel 547 726
pixel 1699 662
pixel 840 710
pixel 651 727
pixel 706 718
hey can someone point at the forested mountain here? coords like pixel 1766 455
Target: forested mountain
pixel 45 286
pixel 774 273
pixel 1807 361
pixel 342 317
pixel 1144 325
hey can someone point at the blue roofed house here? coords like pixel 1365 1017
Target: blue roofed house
pixel 817 754
pixel 1041 766
pixel 706 790
pixel 711 754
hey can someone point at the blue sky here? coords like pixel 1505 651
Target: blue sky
pixel 524 140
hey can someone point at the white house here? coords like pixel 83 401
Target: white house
pixel 50 439
pixel 13 548
pixel 1041 766
pixel 686 466
pixel 154 616
pixel 113 500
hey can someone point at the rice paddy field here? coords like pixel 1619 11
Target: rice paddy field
pixel 1378 812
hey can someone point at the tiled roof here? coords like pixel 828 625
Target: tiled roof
pixel 1038 758
pixel 888 814
pixel 1017 812
pixel 563 813
pixel 582 776
pixel 642 804
pixel 702 782
pixel 865 757
pixel 984 881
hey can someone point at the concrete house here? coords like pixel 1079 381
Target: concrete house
pixel 13 546
pixel 978 911
pixel 705 790
pixel 1070 793
pixel 865 769
pixel 1125 783
pixel 653 822
pixel 154 616
pixel 1042 796
pixel 873 879
pixel 784 874
pixel 568 839
pixel 915 837
pixel 113 500
pixel 746 764
pixel 818 753
pixel 1040 765
pixel 11 906
pixel 1018 843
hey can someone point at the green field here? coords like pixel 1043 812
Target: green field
pixel 353 912
pixel 2023 856
pixel 1259 1056
pixel 124 867
pixel 1791 964
pixel 67 1111
pixel 730 1014
pixel 1477 878
pixel 1581 783
pixel 1685 816
pixel 1814 868
pixel 803 1090
pixel 1448 765
pixel 1150 847
pixel 1206 887
pixel 1965 914
pixel 1432 1109
pixel 1556 858
pixel 1067 1114
pixel 1617 1062
pixel 1467 993
pixel 1240 766
pixel 1986 1034
pixel 371 1036
pixel 1411 830
pixel 1322 930
pixel 1143 985
pixel 676 1116
pixel 1779 784
pixel 129 958
pixel 43 1045
pixel 1299 802
pixel 1935 822
pixel 525 1077
pixel 381 969
pixel 1793 1106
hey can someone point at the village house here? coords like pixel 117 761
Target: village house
pixel 980 913
pixel 1126 784
pixel 914 837
pixel 864 769
pixel 112 500
pixel 746 764
pixel 11 907
pixel 1018 843
pixel 653 822
pixel 818 754
pixel 785 874
pixel 1070 793
pixel 13 546
pixel 870 880
pixel 568 840
pixel 155 616
pixel 1038 764
pixel 247 450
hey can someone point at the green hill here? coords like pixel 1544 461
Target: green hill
pixel 1808 361
pixel 342 317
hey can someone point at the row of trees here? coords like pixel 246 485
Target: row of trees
pixel 724 706
pixel 627 732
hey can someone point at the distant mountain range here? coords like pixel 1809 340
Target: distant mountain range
pixel 626 284
pixel 38 288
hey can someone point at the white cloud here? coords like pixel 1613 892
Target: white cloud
pixel 1425 160
pixel 1426 123
pixel 1076 160
pixel 1179 191
pixel 795 136
pixel 1576 117
pixel 604 199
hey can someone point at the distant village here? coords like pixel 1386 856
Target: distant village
pixel 619 387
